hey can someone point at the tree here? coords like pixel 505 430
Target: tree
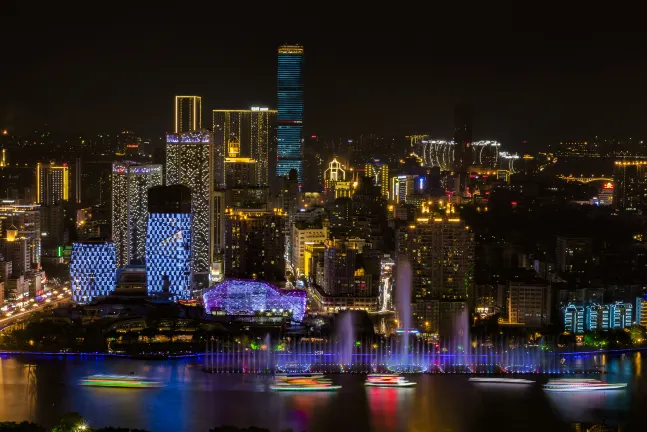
pixel 70 422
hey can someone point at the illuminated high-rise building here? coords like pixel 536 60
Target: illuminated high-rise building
pixel 189 161
pixel 26 220
pixel 255 132
pixel 93 270
pixel 188 113
pixel 52 183
pixel 441 253
pixel 255 244
pixel 630 184
pixel 379 174
pixel 168 241
pixel 130 184
pixel 290 110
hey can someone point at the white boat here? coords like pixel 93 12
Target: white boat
pixel 501 380
pixel 580 385
pixel 387 380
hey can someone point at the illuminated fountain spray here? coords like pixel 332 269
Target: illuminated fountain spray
pixel 346 337
pixel 403 305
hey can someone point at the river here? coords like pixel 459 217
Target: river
pixel 41 388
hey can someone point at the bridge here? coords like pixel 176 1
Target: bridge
pixel 583 179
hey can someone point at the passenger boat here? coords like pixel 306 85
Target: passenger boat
pixel 122 381
pixel 501 380
pixel 580 385
pixel 387 380
pixel 303 382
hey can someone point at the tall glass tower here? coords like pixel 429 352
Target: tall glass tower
pixel 290 110
pixel 168 242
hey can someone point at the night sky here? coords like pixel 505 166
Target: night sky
pixel 113 70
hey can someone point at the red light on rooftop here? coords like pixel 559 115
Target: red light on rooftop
pixel 514 203
pixel 314 136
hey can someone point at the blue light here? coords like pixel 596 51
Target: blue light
pixel 290 113
pixel 168 254
pixel 93 270
pixel 246 297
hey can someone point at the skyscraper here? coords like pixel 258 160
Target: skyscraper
pixel 52 183
pixel 168 241
pixel 463 140
pixel 441 253
pixel 255 244
pixel 130 184
pixel 255 132
pixel 629 184
pixel 189 161
pixel 290 110
pixel 188 113
pixel 93 270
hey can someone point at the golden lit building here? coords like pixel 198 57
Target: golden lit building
pixel 52 183
pixel 379 174
pixel 255 131
pixel 188 113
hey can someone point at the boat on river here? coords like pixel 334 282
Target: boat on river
pixel 120 381
pixel 387 380
pixel 581 385
pixel 303 382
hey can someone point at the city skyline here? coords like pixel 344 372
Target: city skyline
pixel 522 86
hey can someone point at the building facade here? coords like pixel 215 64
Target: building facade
pixel 441 253
pixel 255 132
pixel 130 184
pixel 189 161
pixel 529 304
pixel 302 235
pixel 52 183
pixel 188 114
pixel 290 110
pixel 93 270
pixel 255 244
pixel 168 242
pixel 629 184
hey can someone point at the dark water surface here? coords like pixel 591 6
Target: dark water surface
pixel 40 389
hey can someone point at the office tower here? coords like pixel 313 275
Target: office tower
pixel 303 234
pixel 379 174
pixel 52 183
pixel 239 171
pixel 629 181
pixel 263 144
pixel 78 175
pixel 463 142
pixel 255 244
pixel 188 114
pixel 130 184
pixel 26 221
pixel 529 303
pixel 52 226
pixel 168 241
pixel 255 132
pixel 290 110
pixel 441 253
pixel 93 269
pixel 189 161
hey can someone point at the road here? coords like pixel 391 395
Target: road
pixel 18 316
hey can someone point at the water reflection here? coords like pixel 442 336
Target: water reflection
pixel 41 389
pixel 596 407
